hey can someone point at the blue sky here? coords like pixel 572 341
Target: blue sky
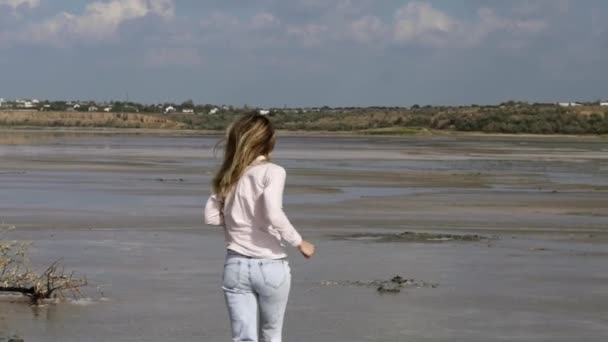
pixel 305 52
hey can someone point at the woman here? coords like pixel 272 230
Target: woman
pixel 247 201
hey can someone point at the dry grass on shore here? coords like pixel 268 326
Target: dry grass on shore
pixel 85 119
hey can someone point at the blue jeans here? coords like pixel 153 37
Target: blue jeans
pixel 256 288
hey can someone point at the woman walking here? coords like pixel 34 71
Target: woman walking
pixel 247 201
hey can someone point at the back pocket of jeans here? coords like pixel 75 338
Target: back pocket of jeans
pixel 274 273
pixel 232 271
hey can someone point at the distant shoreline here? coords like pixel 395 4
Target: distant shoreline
pixel 531 122
pixel 186 132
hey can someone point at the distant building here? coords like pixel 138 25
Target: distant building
pixel 603 104
pixel 76 106
pixel 264 111
pixel 188 110
pixel 107 109
pixel 569 104
pixel 214 110
pixel 93 109
pixel 169 109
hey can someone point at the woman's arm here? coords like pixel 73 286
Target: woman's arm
pixel 213 211
pixel 274 182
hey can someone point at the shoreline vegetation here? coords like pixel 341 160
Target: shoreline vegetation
pixel 511 118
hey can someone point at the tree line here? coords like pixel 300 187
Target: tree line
pixel 510 117
pixel 533 119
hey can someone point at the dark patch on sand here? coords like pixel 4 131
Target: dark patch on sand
pixel 412 237
pixel 170 180
pixel 393 285
pixel 15 338
pixel 11 173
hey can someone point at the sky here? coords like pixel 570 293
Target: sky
pixel 274 53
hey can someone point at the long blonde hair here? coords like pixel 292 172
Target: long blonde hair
pixel 247 137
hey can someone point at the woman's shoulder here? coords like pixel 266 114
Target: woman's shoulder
pixel 264 168
pixel 274 167
pixel 268 171
pixel 267 166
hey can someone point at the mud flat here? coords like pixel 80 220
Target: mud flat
pixel 125 210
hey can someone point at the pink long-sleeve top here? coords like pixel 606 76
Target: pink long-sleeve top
pixel 252 214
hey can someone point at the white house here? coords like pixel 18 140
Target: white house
pixel 603 104
pixel 188 110
pixel 1 101
pixel 264 111
pixel 34 101
pixel 169 109
pixel 107 109
pixel 76 106
pixel 569 104
pixel 214 110
pixel 28 104
pixel 93 109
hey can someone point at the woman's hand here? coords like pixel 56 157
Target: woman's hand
pixel 307 249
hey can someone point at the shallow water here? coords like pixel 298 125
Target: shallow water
pixel 125 211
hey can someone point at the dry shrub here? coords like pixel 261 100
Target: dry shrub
pixel 85 119
pixel 16 275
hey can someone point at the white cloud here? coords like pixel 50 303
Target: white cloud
pixel 526 7
pixel 416 23
pixel 309 34
pixel 219 21
pixel 420 22
pixel 490 21
pixel 15 4
pixel 264 21
pixel 257 31
pixel 163 8
pixel 515 32
pixel 367 29
pixel 99 21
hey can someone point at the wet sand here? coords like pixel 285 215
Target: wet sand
pixel 125 210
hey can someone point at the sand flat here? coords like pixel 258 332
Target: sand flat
pixel 126 210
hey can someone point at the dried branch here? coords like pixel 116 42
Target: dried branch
pixel 16 275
